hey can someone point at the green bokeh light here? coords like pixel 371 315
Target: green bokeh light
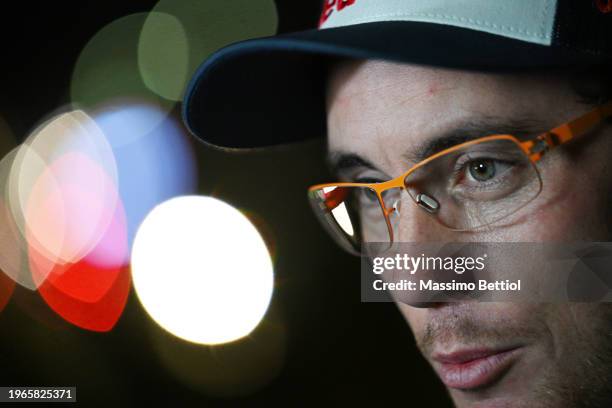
pixel 171 49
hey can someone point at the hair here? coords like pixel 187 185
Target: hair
pixel 593 85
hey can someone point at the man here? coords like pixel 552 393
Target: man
pixel 396 84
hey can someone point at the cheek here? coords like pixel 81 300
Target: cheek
pixel 573 206
pixel 576 210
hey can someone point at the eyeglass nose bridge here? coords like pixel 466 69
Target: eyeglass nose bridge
pixel 423 200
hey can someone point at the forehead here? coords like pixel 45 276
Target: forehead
pixel 374 107
pixel 380 82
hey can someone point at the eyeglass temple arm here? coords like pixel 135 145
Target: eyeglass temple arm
pixel 566 132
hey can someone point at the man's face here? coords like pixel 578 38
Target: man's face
pixel 489 354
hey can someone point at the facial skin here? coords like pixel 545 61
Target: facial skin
pixel 561 353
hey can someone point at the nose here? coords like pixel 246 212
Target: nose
pixel 415 223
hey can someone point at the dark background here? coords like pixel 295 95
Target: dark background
pixel 337 348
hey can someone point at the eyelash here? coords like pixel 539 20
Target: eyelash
pixel 461 167
pixel 368 180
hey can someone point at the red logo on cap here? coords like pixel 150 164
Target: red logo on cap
pixel 330 5
pixel 605 6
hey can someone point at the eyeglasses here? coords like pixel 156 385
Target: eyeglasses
pixel 465 187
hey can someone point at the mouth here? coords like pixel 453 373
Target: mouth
pixel 469 369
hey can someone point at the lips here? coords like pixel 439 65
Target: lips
pixel 468 369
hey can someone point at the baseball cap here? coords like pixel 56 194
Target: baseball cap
pixel 271 91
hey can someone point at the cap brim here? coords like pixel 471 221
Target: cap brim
pixel 270 91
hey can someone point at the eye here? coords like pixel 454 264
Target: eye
pixel 482 169
pixel 365 195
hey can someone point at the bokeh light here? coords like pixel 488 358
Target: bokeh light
pixel 91 277
pixel 163 55
pixel 107 68
pixel 101 315
pixel 13 247
pixel 265 230
pixel 26 169
pixel 90 293
pixel 74 194
pixel 201 270
pixel 62 191
pixel 62 221
pixel 171 49
pixel 155 164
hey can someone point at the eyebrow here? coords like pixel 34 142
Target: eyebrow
pixel 341 161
